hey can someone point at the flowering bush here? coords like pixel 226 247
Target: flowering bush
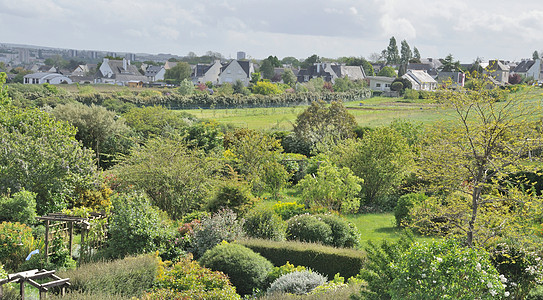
pixel 446 270
pixel 222 226
pixel 16 241
pixel 287 210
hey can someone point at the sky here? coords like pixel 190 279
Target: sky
pixel 467 29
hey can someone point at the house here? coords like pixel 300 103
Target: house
pixel 41 78
pixel 498 71
pixel 118 72
pixel 420 80
pixel 170 64
pixel 530 69
pixel 330 71
pixel 155 73
pixel 453 79
pixel 380 83
pixel 203 73
pixel 429 68
pixel 237 70
pixel 84 70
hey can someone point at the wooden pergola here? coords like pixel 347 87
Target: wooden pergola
pixel 30 277
pixel 55 221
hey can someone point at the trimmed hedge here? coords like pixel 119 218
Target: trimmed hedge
pixel 323 259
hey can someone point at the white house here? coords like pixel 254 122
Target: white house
pixel 155 73
pixel 41 78
pixel 420 80
pixel 119 72
pixel 204 73
pixel 237 70
pixel 380 83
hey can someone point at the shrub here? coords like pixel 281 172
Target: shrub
pixel 136 226
pixel 16 241
pixel 128 277
pixel 232 194
pixel 188 280
pixel 287 210
pixel 265 224
pixel 344 233
pixel 287 268
pixel 21 207
pixel 346 262
pixel 222 226
pixel 536 293
pixel 445 269
pixel 246 269
pixel 404 205
pixel 308 228
pixel 297 282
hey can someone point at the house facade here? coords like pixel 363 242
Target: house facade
pixel 119 72
pixel 380 83
pixel 203 73
pixel 330 72
pixel 237 70
pixel 498 71
pixel 420 80
pixel 155 73
pixel 41 78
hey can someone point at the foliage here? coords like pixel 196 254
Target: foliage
pixel 96 200
pixel 204 135
pixel 287 210
pixel 392 54
pixel 403 207
pixel 288 77
pixel 246 269
pixel 405 52
pixel 188 280
pixel 128 277
pixel 41 155
pixel 176 178
pixel 346 262
pixel 186 87
pixel 378 272
pixel 445 269
pixel 309 228
pixel 449 65
pixel 323 125
pixel 387 72
pixel 266 69
pixel 156 120
pixel 60 255
pixel 344 233
pixel 221 226
pixel 136 226
pixel 4 97
pixel 232 194
pixel 266 88
pixel 381 158
pixel 521 268
pixel 331 187
pixel 20 207
pixel 265 224
pixel 536 293
pixel 17 241
pixel 297 282
pixel 178 73
pixel 275 177
pixel 489 139
pixel 287 268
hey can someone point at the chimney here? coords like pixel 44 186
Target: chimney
pixel 125 64
pixel 318 68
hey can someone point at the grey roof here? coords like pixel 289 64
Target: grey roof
pixel 127 77
pixel 117 67
pixel 152 70
pixel 420 76
pixel 245 66
pixel 42 75
pixel 381 78
pixel 496 65
pixel 524 66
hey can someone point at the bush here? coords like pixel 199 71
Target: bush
pixel 222 226
pixel 188 280
pixel 404 205
pixel 16 241
pixel 445 269
pixel 344 233
pixel 136 226
pixel 297 282
pixel 246 269
pixel 308 228
pixel 287 210
pixel 21 207
pixel 536 293
pixel 287 268
pixel 128 277
pixel 265 224
pixel 346 262
pixel 234 195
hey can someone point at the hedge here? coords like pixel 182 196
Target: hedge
pixel 323 259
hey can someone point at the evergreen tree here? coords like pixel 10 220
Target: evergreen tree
pixel 406 53
pixel 392 54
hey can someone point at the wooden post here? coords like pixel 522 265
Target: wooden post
pixel 22 288
pixel 46 241
pixel 71 233
pixel 43 295
pixel 82 249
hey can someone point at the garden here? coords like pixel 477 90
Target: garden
pixel 360 198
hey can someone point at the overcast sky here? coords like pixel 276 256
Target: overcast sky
pixel 467 29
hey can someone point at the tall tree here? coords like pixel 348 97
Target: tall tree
pixel 289 60
pixel 535 55
pixel 392 53
pixel 416 53
pixel 289 77
pixel 406 53
pixel 266 69
pixel 310 61
pixel 449 65
pixel 490 138
pixel 176 74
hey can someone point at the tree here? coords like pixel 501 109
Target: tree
pixel 97 128
pixel 266 69
pixel 321 125
pixel 289 60
pixel 266 88
pixel 289 77
pixel 406 53
pixel 449 65
pixel 255 77
pixel 387 72
pixel 416 53
pixel 178 73
pixel 4 97
pixel 153 121
pixel 359 61
pixel 392 54
pixel 186 87
pixel 382 158
pixel 535 55
pixel 313 59
pixel 41 155
pixel 490 138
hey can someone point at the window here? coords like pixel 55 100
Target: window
pixel 377 85
pixel 387 85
